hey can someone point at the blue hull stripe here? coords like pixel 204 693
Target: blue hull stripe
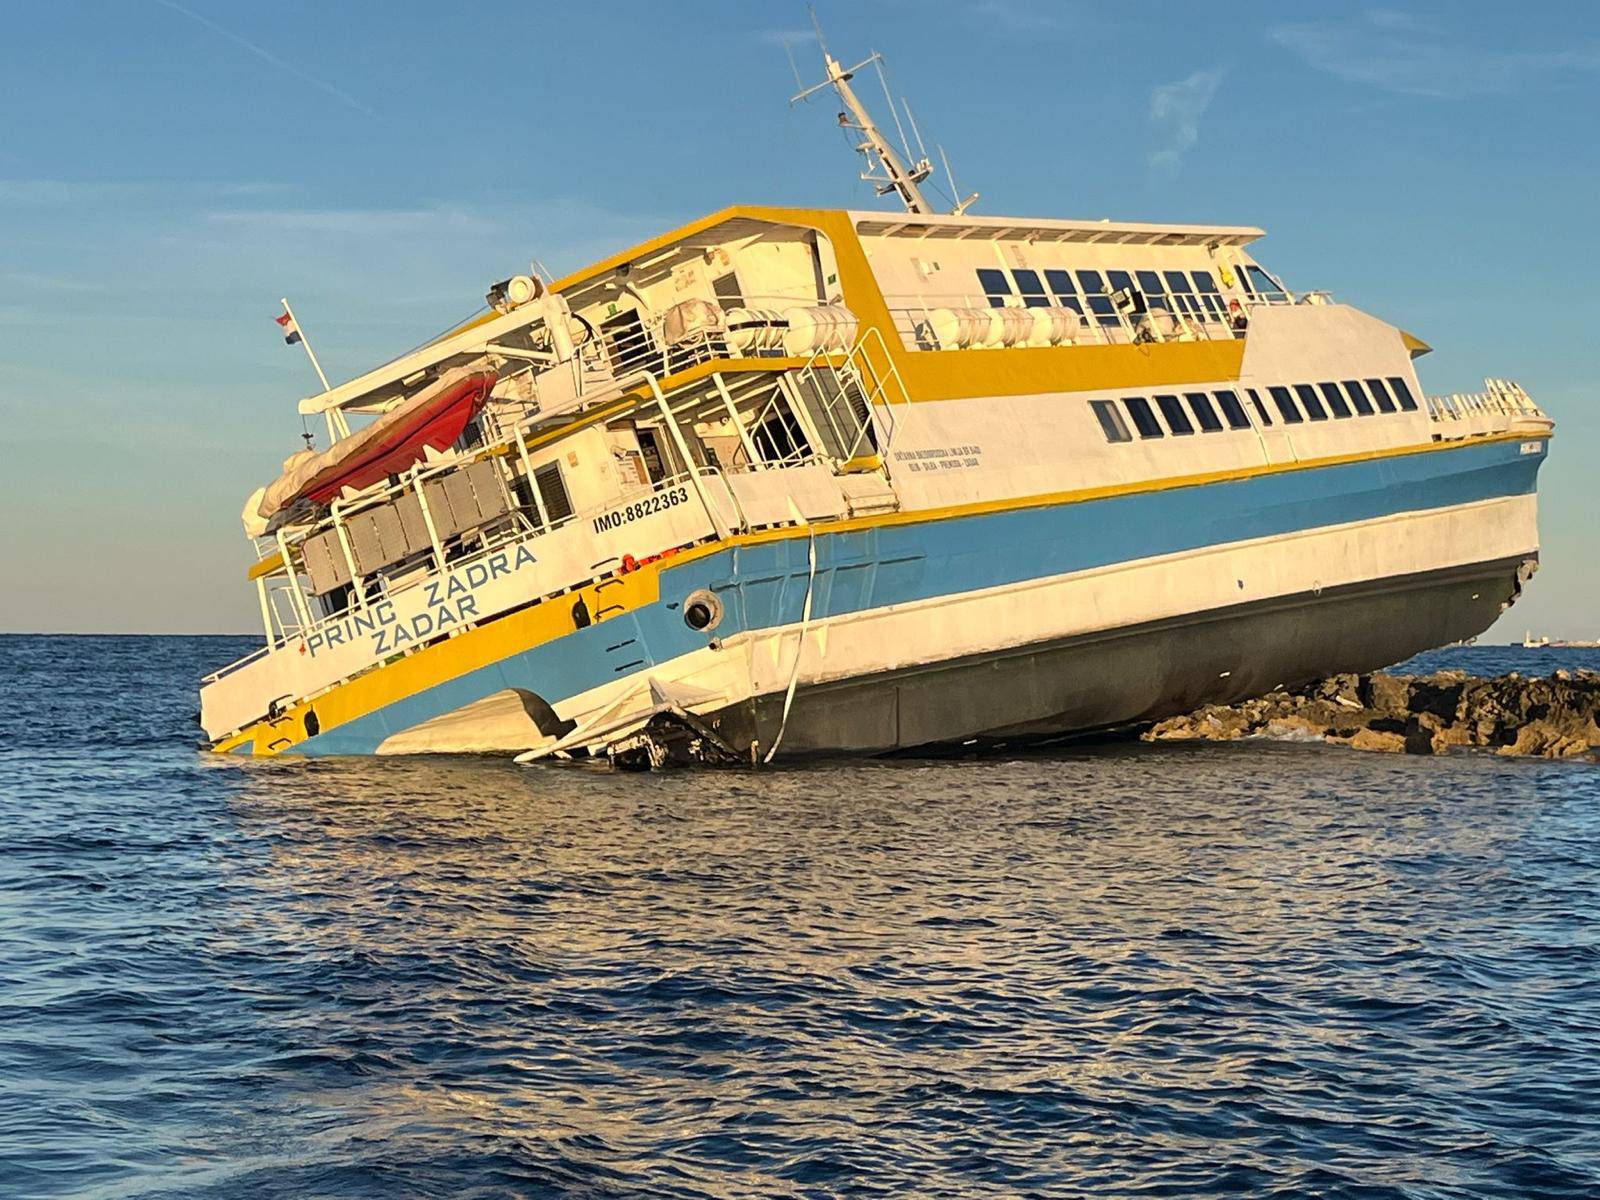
pixel 764 585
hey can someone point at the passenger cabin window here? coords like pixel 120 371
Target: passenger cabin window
pixel 1310 402
pixel 1402 393
pixel 1144 417
pixel 1110 418
pixel 1285 403
pixel 1381 394
pixel 1064 290
pixel 1261 409
pixel 1358 397
pixel 996 287
pixel 1233 410
pixel 1177 420
pixel 1030 289
pixel 1262 284
pixel 1200 405
pixel 1335 399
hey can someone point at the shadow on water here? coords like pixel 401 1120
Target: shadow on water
pixel 1107 970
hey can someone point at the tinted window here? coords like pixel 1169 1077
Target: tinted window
pixel 1402 393
pixel 1094 287
pixel 1233 410
pixel 1310 402
pixel 1144 418
pixel 1261 409
pixel 1203 412
pixel 1203 281
pixel 1335 399
pixel 1262 284
pixel 1358 397
pixel 1150 285
pixel 1065 293
pixel 1110 418
pixel 1381 395
pixel 1285 403
pixel 995 285
pixel 1177 420
pixel 1031 290
pixel 1177 281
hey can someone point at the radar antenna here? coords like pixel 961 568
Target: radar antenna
pixel 886 170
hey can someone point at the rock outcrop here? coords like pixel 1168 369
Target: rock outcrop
pixel 1549 717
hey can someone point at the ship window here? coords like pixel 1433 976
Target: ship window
pixel 1182 294
pixel 1261 409
pixel 1335 399
pixel 1155 293
pixel 1110 418
pixel 995 286
pixel 1233 410
pixel 1358 397
pixel 1403 394
pixel 1144 418
pixel 1203 412
pixel 1066 293
pixel 1262 284
pixel 1309 402
pixel 1286 406
pixel 1031 290
pixel 553 491
pixel 1381 395
pixel 1209 295
pixel 1177 420
pixel 1094 289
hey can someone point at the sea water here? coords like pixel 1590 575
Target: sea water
pixel 1121 970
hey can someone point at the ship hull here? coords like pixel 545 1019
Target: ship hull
pixel 1019 624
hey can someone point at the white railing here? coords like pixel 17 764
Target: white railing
pixel 1501 397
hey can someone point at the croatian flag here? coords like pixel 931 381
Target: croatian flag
pixel 291 331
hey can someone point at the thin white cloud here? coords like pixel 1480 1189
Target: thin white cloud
pixel 1176 110
pixel 268 56
pixel 354 222
pixel 1395 52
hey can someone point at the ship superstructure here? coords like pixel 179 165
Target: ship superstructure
pixel 798 481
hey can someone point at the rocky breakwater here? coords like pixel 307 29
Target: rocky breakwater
pixel 1549 717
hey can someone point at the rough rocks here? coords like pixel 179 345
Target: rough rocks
pixel 1554 717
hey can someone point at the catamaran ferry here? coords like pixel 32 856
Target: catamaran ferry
pixel 791 481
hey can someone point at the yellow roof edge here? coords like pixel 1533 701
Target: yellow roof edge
pixel 1415 345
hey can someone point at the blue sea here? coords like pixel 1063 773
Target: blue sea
pixel 1124 970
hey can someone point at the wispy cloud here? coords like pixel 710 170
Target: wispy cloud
pixel 268 56
pixel 1175 111
pixel 1027 16
pixel 354 222
pixel 783 37
pixel 1396 52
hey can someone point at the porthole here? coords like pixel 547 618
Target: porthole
pixel 702 611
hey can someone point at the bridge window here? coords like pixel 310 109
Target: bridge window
pixel 1381 395
pixel 1261 409
pixel 1155 293
pixel 1200 403
pixel 1183 294
pixel 1144 417
pixel 1233 410
pixel 1177 420
pixel 1403 394
pixel 1309 402
pixel 1211 297
pixel 1358 397
pixel 1094 291
pixel 1065 292
pixel 1031 290
pixel 996 287
pixel 1286 406
pixel 1110 418
pixel 1263 285
pixel 1335 399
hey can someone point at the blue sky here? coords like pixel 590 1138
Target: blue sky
pixel 168 170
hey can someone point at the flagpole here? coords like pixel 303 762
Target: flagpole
pixel 306 342
pixel 337 426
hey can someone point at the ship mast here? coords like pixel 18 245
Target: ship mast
pixel 886 170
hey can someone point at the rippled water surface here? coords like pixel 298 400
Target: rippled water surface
pixel 1244 970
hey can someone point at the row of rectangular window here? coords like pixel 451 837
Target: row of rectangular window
pixel 1088 293
pixel 1207 412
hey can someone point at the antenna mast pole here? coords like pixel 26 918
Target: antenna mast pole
pixel 897 177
